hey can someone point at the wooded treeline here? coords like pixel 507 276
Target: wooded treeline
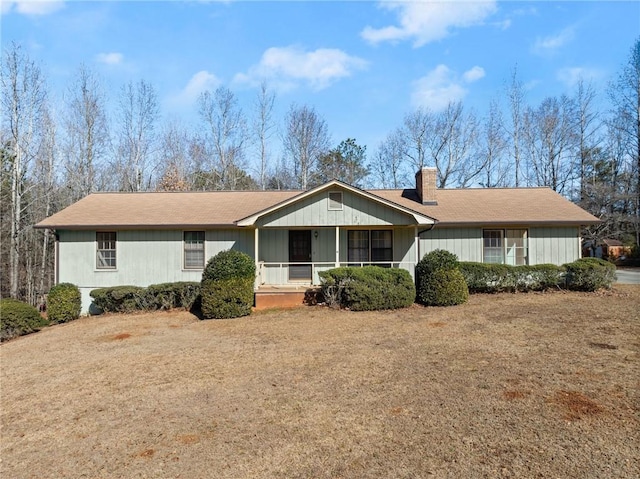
pixel 55 151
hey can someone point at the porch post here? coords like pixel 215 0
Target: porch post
pixel 256 249
pixel 337 246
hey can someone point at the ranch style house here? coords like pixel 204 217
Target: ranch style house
pixel 114 239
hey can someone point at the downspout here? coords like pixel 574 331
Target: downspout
pixel 56 259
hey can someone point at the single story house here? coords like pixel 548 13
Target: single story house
pixel 111 239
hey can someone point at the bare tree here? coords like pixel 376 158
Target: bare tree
pixel 417 130
pixel 138 114
pixel 586 129
pixel 515 94
pixel 306 140
pixel 263 130
pixel 625 96
pixel 493 148
pixel 453 146
pixel 551 141
pixel 388 163
pixel 23 99
pixel 86 133
pixel 226 137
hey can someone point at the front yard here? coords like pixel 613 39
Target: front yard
pixel 508 385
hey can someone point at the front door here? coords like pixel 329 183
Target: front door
pixel 300 252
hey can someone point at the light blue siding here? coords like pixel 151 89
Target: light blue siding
pixel 314 212
pixel 143 257
pixel 557 245
pixel 466 243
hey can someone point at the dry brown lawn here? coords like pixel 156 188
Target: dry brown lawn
pixel 525 385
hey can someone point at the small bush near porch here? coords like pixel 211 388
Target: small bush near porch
pixel 368 288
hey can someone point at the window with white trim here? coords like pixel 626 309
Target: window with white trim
pixel 505 246
pixel 106 250
pixel 335 200
pixel 193 249
pixel 365 246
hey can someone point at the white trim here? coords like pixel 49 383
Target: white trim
pixel 418 217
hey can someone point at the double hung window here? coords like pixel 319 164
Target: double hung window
pixel 370 246
pixel 505 246
pixel 193 249
pixel 106 250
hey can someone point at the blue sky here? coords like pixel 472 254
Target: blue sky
pixel 362 65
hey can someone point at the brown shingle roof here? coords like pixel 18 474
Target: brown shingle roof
pixel 504 206
pixel 222 208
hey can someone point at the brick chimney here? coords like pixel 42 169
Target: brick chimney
pixel 426 186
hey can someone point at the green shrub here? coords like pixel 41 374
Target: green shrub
pixel 368 288
pixel 496 278
pixel 226 289
pixel 229 264
pixel 18 318
pixel 164 296
pixel 589 274
pixel 120 299
pixel 445 287
pixel 226 298
pixel 435 260
pixel 64 303
pixel 439 281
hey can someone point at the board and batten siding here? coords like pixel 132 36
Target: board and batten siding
pixel 556 245
pixel 314 211
pixel 466 243
pixel 143 257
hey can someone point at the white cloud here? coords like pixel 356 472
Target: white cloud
pixel 31 7
pixel 551 43
pixel 113 58
pixel 570 76
pixel 198 83
pixel 442 85
pixel 287 66
pixel 426 22
pixel 473 74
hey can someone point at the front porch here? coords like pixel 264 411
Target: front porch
pixel 286 296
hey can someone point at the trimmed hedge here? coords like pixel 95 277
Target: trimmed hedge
pixel 495 278
pixel 589 274
pixel 227 285
pixel 64 303
pixel 182 294
pixel 586 274
pixel 18 318
pixel 126 299
pixel 368 288
pixel 227 298
pixel 439 281
pixel 229 264
pixel 119 299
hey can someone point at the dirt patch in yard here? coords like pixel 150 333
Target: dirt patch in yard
pixel 508 385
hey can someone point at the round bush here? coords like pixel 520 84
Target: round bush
pixel 18 318
pixel 444 287
pixel 226 298
pixel 64 303
pixel 589 274
pixel 439 280
pixel 229 264
pixel 435 260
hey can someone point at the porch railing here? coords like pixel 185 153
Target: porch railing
pixel 278 273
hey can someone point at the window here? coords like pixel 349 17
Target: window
pixel 507 246
pixel 335 200
pixel 365 246
pixel 193 249
pixel 106 250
